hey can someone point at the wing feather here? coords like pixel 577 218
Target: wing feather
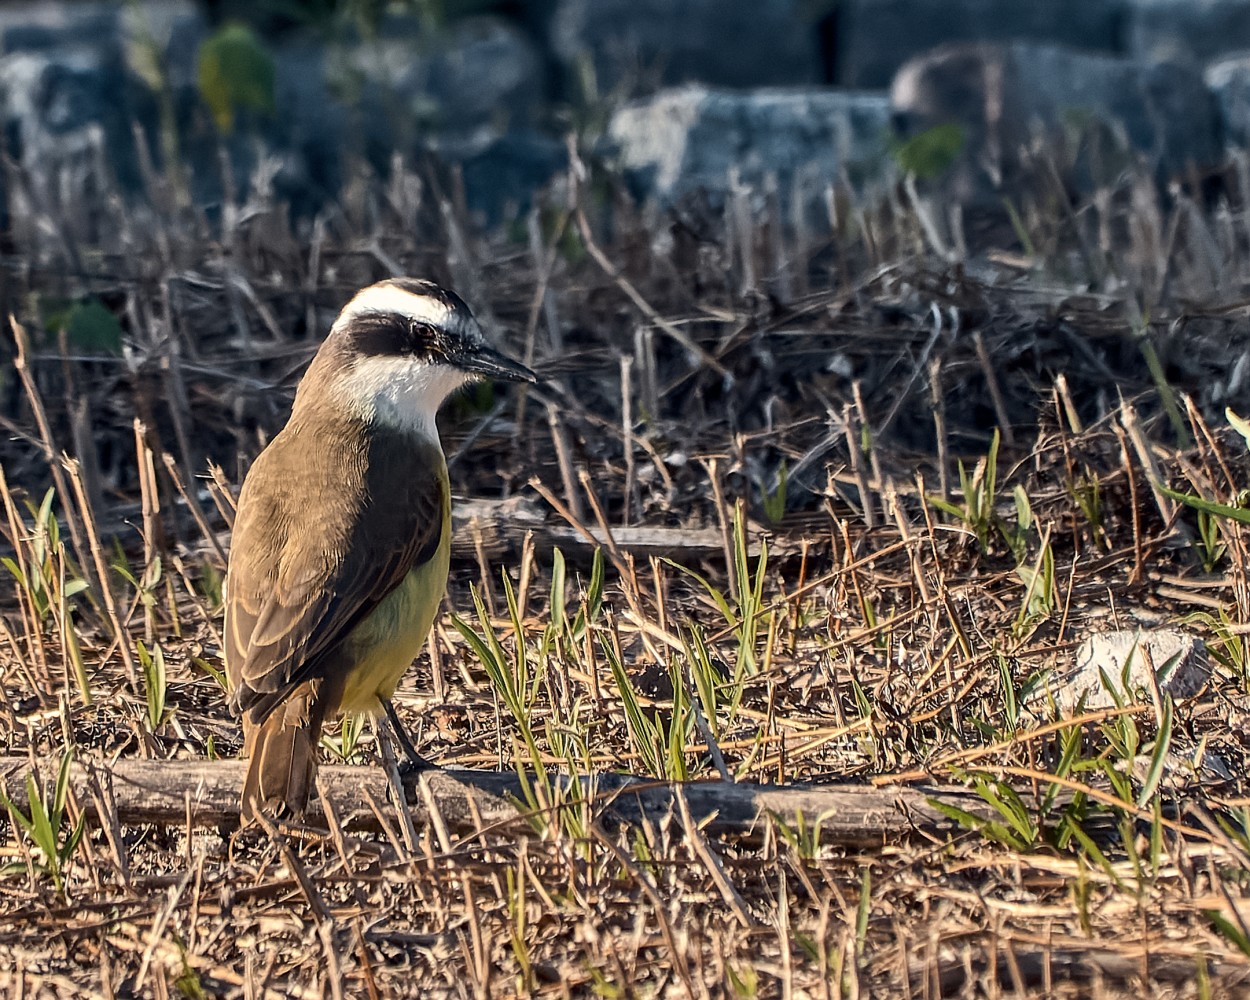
pixel 318 548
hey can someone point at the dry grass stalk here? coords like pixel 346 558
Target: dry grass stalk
pixel 891 653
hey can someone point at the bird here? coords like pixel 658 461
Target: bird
pixel 342 535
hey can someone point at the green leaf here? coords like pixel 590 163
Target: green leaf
pixel 643 729
pixel 864 909
pixel 721 603
pixel 1239 514
pixel 1006 801
pixel 499 676
pixel 92 328
pixel 945 506
pixel 40 826
pixel 22 820
pixel 235 73
pixel 970 821
pixel 12 567
pixel 1163 742
pixel 1239 424
pixel 62 786
pixel 1091 849
pixel 152 663
pixel 557 590
pixel 217 675
pixel 593 598
pixel 71 844
pixel 932 152
pixel 1024 510
pixel 1230 930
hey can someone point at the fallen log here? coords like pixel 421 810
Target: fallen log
pixel 205 793
pixel 497 528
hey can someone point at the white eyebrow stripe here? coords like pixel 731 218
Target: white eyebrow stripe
pixel 392 299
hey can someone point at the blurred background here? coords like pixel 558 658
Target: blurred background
pixel 292 97
pixel 189 189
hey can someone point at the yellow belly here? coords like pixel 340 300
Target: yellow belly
pixel 383 646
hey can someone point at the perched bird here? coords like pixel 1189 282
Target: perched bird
pixel 343 533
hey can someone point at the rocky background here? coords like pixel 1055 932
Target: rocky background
pixel 690 101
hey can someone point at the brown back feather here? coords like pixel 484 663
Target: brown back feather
pixel 332 531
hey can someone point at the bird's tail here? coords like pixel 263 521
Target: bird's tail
pixel 282 748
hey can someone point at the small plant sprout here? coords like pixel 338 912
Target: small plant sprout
pixel 1238 511
pixel 37 573
pixel 152 665
pixel 1167 394
pixel 43 823
pixel 659 738
pixel 745 610
pixel 774 500
pixel 1017 536
pixel 803 837
pixel 1014 829
pixel 1210 541
pixel 719 695
pixel 1041 595
pixel 514 678
pixel 1226 643
pixel 48 582
pixel 350 730
pixel 1087 493
pixel 518 927
pixel 863 911
pixel 557 807
pixel 979 491
pixel 744 981
pixel 1010 696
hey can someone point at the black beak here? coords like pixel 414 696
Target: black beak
pixel 489 363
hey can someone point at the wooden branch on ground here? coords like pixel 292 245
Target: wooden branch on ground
pixel 206 794
pixel 502 525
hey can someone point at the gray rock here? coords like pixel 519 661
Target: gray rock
pixel 75 80
pixel 475 73
pixel 1093 114
pixel 38 25
pixel 1191 31
pixel 311 127
pixel 502 175
pixel 399 92
pixel 875 37
pixel 644 44
pixel 1229 81
pixel 1123 660
pixel 27 27
pixel 688 139
pixel 468 97
pixel 65 108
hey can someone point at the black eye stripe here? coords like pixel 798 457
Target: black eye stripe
pixel 395 335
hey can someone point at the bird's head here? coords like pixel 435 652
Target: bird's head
pixel 400 348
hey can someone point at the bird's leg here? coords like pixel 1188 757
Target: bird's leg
pixel 413 760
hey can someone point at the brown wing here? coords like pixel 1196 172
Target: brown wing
pixel 322 535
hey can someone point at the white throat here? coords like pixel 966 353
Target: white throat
pixel 401 393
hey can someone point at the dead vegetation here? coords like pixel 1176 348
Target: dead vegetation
pixel 730 536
